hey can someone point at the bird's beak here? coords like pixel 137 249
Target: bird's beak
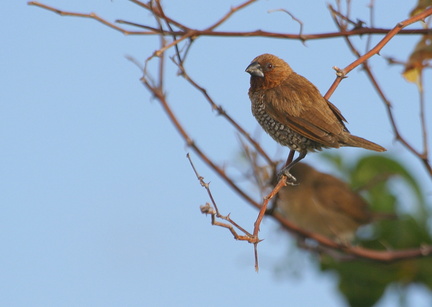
pixel 254 69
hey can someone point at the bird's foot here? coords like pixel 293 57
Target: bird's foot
pixel 290 179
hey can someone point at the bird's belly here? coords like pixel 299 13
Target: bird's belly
pixel 281 133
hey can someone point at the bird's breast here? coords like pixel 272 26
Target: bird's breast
pixel 278 131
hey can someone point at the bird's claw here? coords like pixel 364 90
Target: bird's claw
pixel 290 179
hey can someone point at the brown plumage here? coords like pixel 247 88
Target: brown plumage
pixel 323 204
pixel 293 112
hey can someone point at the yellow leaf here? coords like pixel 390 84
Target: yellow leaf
pixel 412 75
pixel 421 6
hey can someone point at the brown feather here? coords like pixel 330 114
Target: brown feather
pixel 323 204
pixel 279 96
pixel 308 114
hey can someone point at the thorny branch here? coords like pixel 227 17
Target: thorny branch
pixel 219 108
pixel 398 136
pixel 294 18
pixel 375 50
pixel 184 31
pixel 214 211
pixel 167 26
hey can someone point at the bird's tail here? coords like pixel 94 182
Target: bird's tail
pixel 356 141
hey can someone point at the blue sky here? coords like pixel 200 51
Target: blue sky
pixel 99 204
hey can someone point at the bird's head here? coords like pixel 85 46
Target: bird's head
pixel 268 70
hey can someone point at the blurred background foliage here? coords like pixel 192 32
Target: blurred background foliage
pixel 381 180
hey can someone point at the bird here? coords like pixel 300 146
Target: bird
pixel 321 203
pixel 294 113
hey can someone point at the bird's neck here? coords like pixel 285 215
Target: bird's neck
pixel 259 83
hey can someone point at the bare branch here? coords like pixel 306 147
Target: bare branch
pixel 425 155
pixel 378 47
pixel 91 16
pixel 222 112
pixel 208 209
pixel 398 136
pixel 294 18
pixel 258 33
pixel 229 14
pixel 150 6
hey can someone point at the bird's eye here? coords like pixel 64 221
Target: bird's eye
pixel 269 66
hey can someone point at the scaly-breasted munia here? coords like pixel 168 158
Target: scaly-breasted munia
pixel 293 111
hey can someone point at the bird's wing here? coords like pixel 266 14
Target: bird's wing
pixel 338 114
pixel 307 113
pixel 341 199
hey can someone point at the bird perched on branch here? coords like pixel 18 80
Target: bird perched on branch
pixel 324 204
pixel 293 112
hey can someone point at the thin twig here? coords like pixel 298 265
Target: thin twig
pixel 208 209
pixel 150 7
pixel 174 120
pixel 229 14
pixel 398 136
pixel 378 47
pixel 425 155
pixel 91 16
pixel 372 23
pixel 215 214
pixel 207 187
pixel 294 18
pixel 223 113
pixel 257 33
